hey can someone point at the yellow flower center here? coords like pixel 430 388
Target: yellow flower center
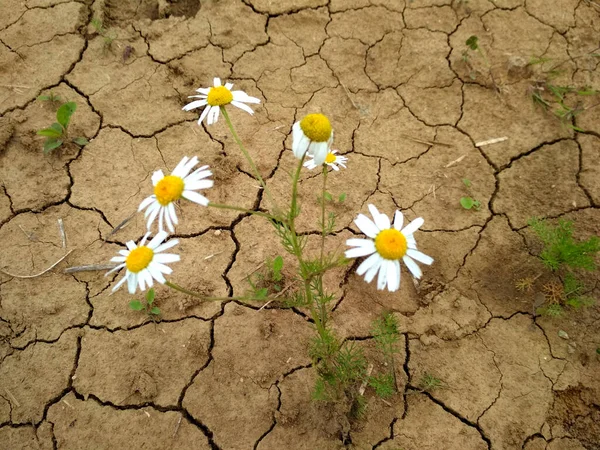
pixel 330 158
pixel 316 127
pixel 168 189
pixel 139 258
pixel 391 244
pixel 219 96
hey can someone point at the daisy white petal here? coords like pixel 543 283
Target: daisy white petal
pixel 413 226
pixel 162 267
pixel 359 251
pixel 120 283
pixel 115 269
pixel 157 240
pixel 216 81
pixel 228 86
pixel 368 263
pixel 196 198
pixel 203 115
pixel 130 245
pixel 200 184
pixel 118 259
pixel 157 176
pixel 166 245
pixel 243 107
pixel 166 258
pixel 366 225
pixel 370 275
pixel 195 104
pixel 382 277
pixel 398 220
pixel 203 91
pixel 412 266
pixel 132 283
pixel 421 257
pixel 172 214
pixel 393 275
pixel 146 202
pixel 241 96
pixel 156 274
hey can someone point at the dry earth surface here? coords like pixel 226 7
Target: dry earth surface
pixel 79 370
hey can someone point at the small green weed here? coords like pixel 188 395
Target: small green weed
pixel 473 46
pixel 146 305
pixel 386 336
pixel 564 255
pixel 469 202
pixel 57 133
pixel 561 249
pixel 269 281
pixel 51 97
pixel 106 34
pixel 429 382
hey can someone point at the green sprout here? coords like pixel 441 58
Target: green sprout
pixel 51 97
pixel 57 133
pixel 147 305
pixel 468 202
pixel 429 383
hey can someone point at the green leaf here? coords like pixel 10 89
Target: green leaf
pixel 472 43
pixel 136 305
pixel 150 296
pixel 155 311
pixel 466 182
pixel 342 197
pixel 261 293
pixel 277 264
pixel 51 143
pixel 44 98
pixel 598 350
pixel 64 113
pixel 467 202
pixel 55 130
pixel 327 196
pixel 81 141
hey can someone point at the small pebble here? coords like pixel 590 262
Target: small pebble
pixel 563 334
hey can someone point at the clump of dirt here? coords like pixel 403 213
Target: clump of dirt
pixel 7 129
pixel 127 10
pixel 577 410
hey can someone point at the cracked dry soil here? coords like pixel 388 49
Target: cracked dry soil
pixel 79 370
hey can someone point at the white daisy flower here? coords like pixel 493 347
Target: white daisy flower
pixel 218 96
pixel 168 189
pixel 312 135
pixel 387 246
pixel 332 160
pixel 145 263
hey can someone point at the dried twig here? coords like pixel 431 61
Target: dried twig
pixel 456 161
pixel 90 268
pixel 177 427
pixel 363 386
pixel 491 141
pixel 120 226
pixel 14 399
pixel 423 141
pixel 63 236
pixel 38 274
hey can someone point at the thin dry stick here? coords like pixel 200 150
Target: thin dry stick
pixel 363 386
pixel 90 268
pixel 278 295
pixel 491 141
pixel 14 399
pixel 348 95
pixel 177 427
pixel 38 274
pixel 29 235
pixel 254 271
pixel 423 141
pixel 120 226
pixel 63 236
pixel 456 161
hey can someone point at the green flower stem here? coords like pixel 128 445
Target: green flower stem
pixel 306 276
pixel 204 297
pixel 249 159
pixel 238 208
pixel 323 231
